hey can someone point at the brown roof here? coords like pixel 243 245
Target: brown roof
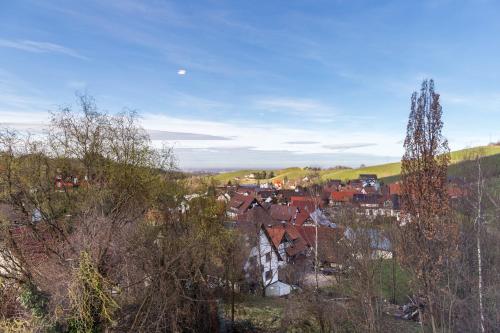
pixel 252 219
pixel 309 206
pixel 299 245
pixel 282 212
pixel 327 238
pixel 301 217
pixel 241 203
pixel 276 233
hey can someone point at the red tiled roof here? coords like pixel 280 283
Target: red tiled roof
pixel 292 231
pixel 455 192
pixel 343 195
pixel 395 188
pixel 296 198
pixel 307 206
pixel 299 245
pixel 276 233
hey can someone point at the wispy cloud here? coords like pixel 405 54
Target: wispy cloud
pixel 294 104
pixel 479 102
pixel 301 142
pixel 40 47
pixel 167 135
pixel 346 146
pixel 313 109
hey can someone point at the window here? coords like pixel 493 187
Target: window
pixel 269 275
pixel 268 257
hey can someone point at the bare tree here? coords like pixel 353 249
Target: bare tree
pixel 93 196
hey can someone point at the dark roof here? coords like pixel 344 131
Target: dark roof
pixel 327 238
pixel 368 176
pixel 252 219
pixel 282 212
pixel 240 203
pixel 361 198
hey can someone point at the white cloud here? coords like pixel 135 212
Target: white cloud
pixel 40 47
pixel 293 105
pixel 272 137
pixel 347 146
pixel 312 110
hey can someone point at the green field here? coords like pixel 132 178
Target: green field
pixel 388 172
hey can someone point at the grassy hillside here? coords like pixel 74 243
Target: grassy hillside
pixel 230 176
pixel 389 171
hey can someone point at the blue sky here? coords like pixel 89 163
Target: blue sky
pixel 267 83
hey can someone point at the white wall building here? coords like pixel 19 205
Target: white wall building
pixel 265 257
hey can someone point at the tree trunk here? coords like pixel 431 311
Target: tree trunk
pixel 232 304
pixel 478 238
pixel 394 277
pixel 432 315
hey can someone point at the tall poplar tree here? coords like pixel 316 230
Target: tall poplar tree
pixel 427 234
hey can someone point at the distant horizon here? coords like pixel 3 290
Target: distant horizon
pixel 233 159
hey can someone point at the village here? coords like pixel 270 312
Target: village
pixel 299 226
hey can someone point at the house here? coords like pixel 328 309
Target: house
pixel 342 197
pixel 369 180
pixel 287 239
pixel 278 184
pixel 355 184
pixel 266 194
pixel 326 238
pixel 333 185
pixel 61 183
pixel 264 262
pixel 285 196
pixel 240 204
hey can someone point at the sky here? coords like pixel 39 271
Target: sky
pixel 249 84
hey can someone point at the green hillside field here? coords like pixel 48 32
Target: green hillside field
pixel 389 172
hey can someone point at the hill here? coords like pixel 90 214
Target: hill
pixel 389 172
